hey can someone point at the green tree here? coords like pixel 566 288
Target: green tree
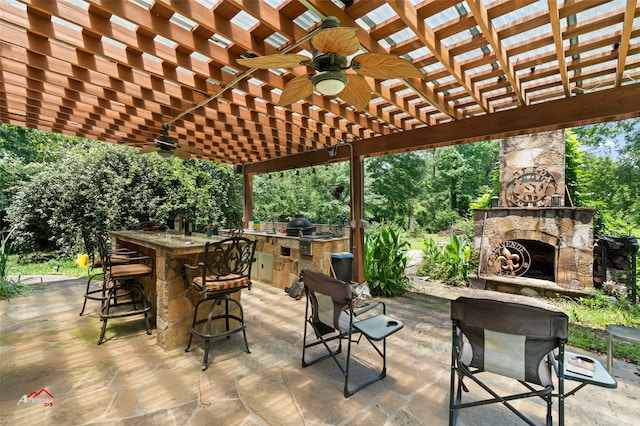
pixel 458 175
pixel 396 183
pixel 611 174
pixel 23 153
pixel 105 186
pixel 319 193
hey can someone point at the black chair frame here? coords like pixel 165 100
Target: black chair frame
pixel 122 295
pixel 545 392
pixel 375 328
pixel 94 267
pixel 523 340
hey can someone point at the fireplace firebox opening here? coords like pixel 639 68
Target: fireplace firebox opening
pixel 543 257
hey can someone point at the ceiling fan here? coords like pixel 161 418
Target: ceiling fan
pixel 166 146
pixel 331 45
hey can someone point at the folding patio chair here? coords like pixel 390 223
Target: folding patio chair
pixel 331 315
pixel 515 340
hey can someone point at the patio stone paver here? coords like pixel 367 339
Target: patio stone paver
pixel 129 380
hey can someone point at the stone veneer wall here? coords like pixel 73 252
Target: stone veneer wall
pixel 568 230
pixel 541 153
pixel 286 269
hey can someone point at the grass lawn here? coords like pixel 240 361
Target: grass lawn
pixel 21 265
pixel 417 243
pixel 590 317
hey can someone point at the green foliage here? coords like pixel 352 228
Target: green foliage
pixel 385 261
pixel 430 190
pixel 398 182
pixel 603 310
pixel 104 186
pixel 610 173
pixel 573 165
pixel 8 286
pixel 590 316
pixel 319 193
pixel 444 219
pixel 449 263
pixel 433 255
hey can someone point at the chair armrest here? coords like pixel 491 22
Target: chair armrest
pixel 378 327
pixel 601 376
pixel 368 307
pixel 186 276
pixel 147 260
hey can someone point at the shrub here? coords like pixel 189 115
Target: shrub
pixel 104 186
pixel 385 261
pixel 445 219
pixel 449 264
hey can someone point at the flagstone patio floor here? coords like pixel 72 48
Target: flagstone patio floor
pixel 129 380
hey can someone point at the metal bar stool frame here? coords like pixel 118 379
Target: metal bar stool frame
pixel 226 270
pixel 120 288
pixel 120 257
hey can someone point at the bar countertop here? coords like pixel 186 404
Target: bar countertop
pixel 167 240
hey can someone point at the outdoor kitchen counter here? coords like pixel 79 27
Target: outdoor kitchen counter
pixel 278 263
pixel 280 257
pixel 171 302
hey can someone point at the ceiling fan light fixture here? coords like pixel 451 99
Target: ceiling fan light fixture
pixel 330 82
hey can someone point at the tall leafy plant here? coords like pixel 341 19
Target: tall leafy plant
pixel 457 255
pixel 104 186
pixel 385 262
pixel 449 264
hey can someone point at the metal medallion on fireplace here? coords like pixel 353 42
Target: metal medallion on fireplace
pixel 531 187
pixel 509 258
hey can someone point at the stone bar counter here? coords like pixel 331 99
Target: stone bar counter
pixel 171 302
pixel 279 260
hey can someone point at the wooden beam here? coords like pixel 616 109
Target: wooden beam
pixel 357 216
pixel 554 16
pixel 596 107
pixel 623 47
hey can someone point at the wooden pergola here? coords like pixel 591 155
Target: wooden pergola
pixel 116 71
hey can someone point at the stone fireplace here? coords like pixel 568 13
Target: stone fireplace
pixel 532 241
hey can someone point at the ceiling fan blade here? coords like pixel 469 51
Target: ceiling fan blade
pixel 357 92
pixel 147 149
pixel 182 154
pixel 274 61
pixel 340 40
pixel 191 149
pixel 384 66
pixel 296 89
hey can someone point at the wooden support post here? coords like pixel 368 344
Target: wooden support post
pixel 357 216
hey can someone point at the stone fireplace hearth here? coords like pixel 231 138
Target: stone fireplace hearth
pixel 529 242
